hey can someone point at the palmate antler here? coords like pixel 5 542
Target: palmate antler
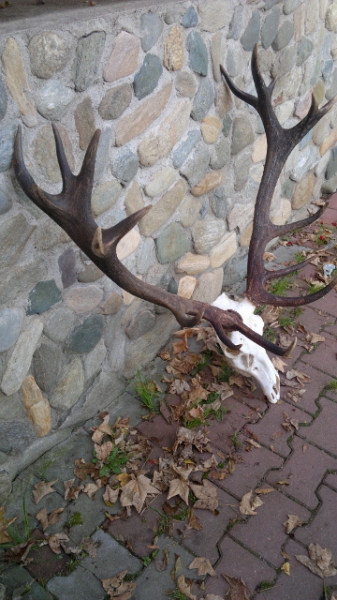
pixel 71 210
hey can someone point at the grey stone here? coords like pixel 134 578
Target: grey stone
pixel 59 324
pixel 49 54
pixel 207 233
pixel 236 22
pixel 332 164
pixel 47 364
pixel 105 196
pixel 172 243
pixel 15 436
pixel 198 55
pixel 196 168
pixel 16 279
pixel 3 100
pixel 125 165
pixel 241 170
pixel 142 322
pixel 84 337
pixel 316 73
pixel 327 69
pixel 10 325
pixel 140 352
pixel 307 159
pixel 220 204
pixel 5 490
pixel 147 256
pixel 94 360
pixel 329 186
pixel 172 286
pixel 250 36
pixel 88 56
pixel 13 578
pixel 288 188
pixel 284 62
pixel 111 559
pixel 186 147
pixel 305 141
pixel 102 156
pixel 67 266
pixel 190 18
pixel 220 153
pixel 5 203
pixel 115 101
pixel 331 93
pixel 79 584
pixel 203 100
pixel 235 270
pixel 284 35
pixel 89 274
pixel 14 234
pixel 12 408
pixel 151 27
pixel 42 297
pixel 326 46
pixel 146 80
pixel 304 49
pixel 271 3
pixel 70 386
pixel 291 5
pixel 270 27
pixel 185 84
pixel 53 99
pixel 243 134
pixel 172 15
pixel 7 135
pixel 226 125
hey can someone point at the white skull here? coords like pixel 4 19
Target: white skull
pixel 252 360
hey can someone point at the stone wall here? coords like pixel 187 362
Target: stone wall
pixel 172 136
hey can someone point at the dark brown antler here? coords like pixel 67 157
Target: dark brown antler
pixel 71 209
pixel 280 143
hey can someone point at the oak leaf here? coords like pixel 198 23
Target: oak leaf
pixel 203 565
pixel 43 488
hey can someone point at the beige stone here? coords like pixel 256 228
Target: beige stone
pixel 134 199
pixel 260 149
pixel 321 130
pixel 192 264
pixel 111 305
pixel 128 244
pixel 36 405
pixel 303 105
pixel 161 181
pixel 286 87
pixel 206 233
pixel 174 49
pixel 137 121
pixel 246 235
pixel 329 141
pixel 186 286
pixel 189 210
pixel 123 59
pixel 210 129
pixel 20 360
pixel 312 16
pixel 223 101
pixel 281 212
pixel 85 122
pixel 303 191
pixel 240 216
pixel 70 387
pixel 17 82
pixel 319 91
pixel 45 152
pixel 217 54
pixel 209 286
pixel 256 172
pixel 163 209
pixel 186 84
pixel 84 298
pixel 208 183
pixel 299 20
pixel 331 17
pixel 214 14
pixel 284 111
pixel 104 196
pixel 323 8
pixel 223 250
pixel 157 144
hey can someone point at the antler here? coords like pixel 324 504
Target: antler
pixel 71 209
pixel 280 143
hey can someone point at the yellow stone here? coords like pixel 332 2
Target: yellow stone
pixel 210 129
pixel 246 235
pixel 303 191
pixel 281 213
pixel 134 199
pixel 17 82
pixel 36 405
pixel 128 244
pixel 186 286
pixel 208 183
pixel 260 149
pixel 174 49
pixel 192 264
pixel 328 142
pixel 223 250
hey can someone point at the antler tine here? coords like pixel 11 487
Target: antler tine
pixel 62 159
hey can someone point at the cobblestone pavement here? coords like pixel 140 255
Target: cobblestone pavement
pixel 299 464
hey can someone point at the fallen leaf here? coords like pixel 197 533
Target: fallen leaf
pixel 213 597
pixel 184 588
pixel 83 469
pixel 57 541
pixel 43 488
pixel 4 523
pixel 314 338
pixel 91 488
pixel 269 256
pixel 279 364
pixel 320 561
pixel 203 565
pixel 179 487
pixel 135 492
pixel 90 547
pixel 50 519
pixel 237 588
pixel 252 443
pixel 266 490
pixel 116 587
pixel 286 568
pixel 104 450
pixel 71 492
pixel 207 495
pixel 304 448
pixel 110 495
pixel 292 522
pixel 249 503
pixel 193 522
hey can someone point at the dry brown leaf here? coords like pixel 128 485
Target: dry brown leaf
pixel 90 547
pixel 333 596
pixel 252 443
pixel 4 523
pixel 179 487
pixel 193 522
pixel 314 338
pixel 237 588
pixel 269 256
pixel 91 488
pixel 184 588
pixel 301 377
pixel 214 597
pixel 296 395
pixel 116 587
pixel 43 488
pixel 207 495
pixel 71 492
pixel 203 565
pixel 135 492
pixel 286 568
pixel 210 463
pixel 279 364
pixel 178 386
pixel 266 490
pixel 249 503
pixel 320 561
pixel 50 519
pixel 161 565
pixel 104 450
pixel 57 541
pixel 110 495
pixel 83 469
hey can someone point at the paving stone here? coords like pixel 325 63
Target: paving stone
pixel 303 471
pixel 236 561
pixel 53 99
pixel 331 480
pixel 49 54
pixel 250 36
pixel 14 581
pixel 265 533
pixel 190 18
pixel 112 558
pixel 159 431
pixel 15 436
pixel 321 431
pixel 80 583
pixel 323 356
pixel 146 80
pixel 203 100
pixel 151 27
pixel 221 433
pixel 123 59
pixel 88 55
pixel 198 55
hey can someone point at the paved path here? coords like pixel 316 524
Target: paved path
pixel 299 462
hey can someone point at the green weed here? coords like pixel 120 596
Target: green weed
pixel 147 392
pixel 266 585
pixel 114 462
pixel 177 595
pixel 148 559
pixel 315 288
pixel 236 441
pixel 332 385
pixel 225 372
pixel 281 285
pixel 75 519
pixel 270 334
pixel 204 361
